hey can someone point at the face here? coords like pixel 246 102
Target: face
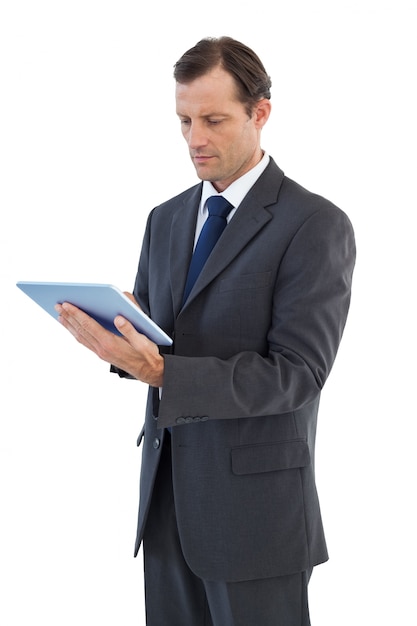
pixel 223 141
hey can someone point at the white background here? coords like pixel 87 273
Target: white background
pixel 89 144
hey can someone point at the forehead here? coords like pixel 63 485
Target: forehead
pixel 213 92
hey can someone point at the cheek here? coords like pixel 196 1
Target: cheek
pixel 240 147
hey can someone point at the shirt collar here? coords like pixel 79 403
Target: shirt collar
pixel 235 192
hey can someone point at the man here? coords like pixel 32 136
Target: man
pixel 229 514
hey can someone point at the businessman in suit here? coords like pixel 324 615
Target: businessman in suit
pixel 229 514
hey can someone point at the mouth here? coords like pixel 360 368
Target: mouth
pixel 201 158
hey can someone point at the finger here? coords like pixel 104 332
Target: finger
pixel 131 297
pixel 83 327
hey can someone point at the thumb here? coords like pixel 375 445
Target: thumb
pixel 134 337
pixel 124 326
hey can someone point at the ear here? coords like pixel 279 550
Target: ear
pixel 261 112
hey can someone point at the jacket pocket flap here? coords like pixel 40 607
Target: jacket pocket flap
pixel 270 457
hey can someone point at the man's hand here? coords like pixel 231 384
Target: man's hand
pixel 132 352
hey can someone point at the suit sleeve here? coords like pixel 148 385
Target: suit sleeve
pixel 310 305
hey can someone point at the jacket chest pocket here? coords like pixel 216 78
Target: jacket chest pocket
pixel 260 280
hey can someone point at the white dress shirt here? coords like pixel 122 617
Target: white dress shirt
pixel 234 193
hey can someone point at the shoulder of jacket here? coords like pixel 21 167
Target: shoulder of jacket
pixel 191 194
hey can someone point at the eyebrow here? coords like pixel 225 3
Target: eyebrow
pixel 206 116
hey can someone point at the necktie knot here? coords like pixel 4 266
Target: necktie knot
pixel 219 206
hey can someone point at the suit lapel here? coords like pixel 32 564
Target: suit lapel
pixel 181 244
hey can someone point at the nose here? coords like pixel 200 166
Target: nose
pixel 196 136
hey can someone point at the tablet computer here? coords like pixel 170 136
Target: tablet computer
pixel 100 301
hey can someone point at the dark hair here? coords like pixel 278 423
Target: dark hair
pixel 252 81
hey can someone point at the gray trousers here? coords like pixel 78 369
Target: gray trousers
pixel 175 596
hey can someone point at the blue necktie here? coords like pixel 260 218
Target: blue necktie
pixel 218 209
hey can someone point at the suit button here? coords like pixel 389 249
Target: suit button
pixel 180 420
pixel 188 420
pixel 156 443
pixel 204 418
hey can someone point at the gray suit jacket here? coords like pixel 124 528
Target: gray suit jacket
pixel 252 349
